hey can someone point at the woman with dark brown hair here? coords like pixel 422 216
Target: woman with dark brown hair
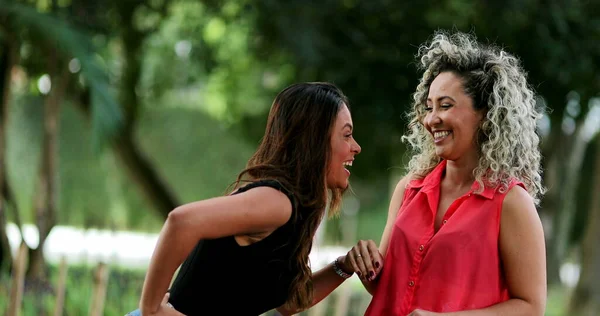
pixel 247 253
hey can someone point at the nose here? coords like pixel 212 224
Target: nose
pixel 432 118
pixel 356 148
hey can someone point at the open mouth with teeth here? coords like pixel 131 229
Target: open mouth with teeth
pixel 440 136
pixel 347 165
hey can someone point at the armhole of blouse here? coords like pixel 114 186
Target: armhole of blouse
pixel 273 184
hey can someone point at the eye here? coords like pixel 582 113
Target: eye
pixel 428 108
pixel 348 135
pixel 446 105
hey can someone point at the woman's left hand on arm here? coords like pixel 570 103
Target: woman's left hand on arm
pixel 365 260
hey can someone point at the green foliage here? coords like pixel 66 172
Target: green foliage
pixel 211 66
pixel 210 70
pixel 23 143
pixel 368 48
pixel 49 31
pixel 195 152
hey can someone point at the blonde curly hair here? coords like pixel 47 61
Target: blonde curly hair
pixel 507 139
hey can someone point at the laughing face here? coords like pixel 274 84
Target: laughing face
pixel 451 118
pixel 343 149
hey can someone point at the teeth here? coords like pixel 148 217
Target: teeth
pixel 348 163
pixel 441 134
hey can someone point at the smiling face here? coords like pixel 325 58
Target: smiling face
pixel 451 118
pixel 343 149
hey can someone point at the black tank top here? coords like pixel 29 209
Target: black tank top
pixel 220 277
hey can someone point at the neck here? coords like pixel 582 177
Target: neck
pixel 459 173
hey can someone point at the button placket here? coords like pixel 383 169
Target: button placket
pixel 454 206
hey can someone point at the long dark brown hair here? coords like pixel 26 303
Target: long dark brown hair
pixel 295 151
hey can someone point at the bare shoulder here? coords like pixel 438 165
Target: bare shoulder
pixel 398 194
pixel 402 184
pixel 270 202
pixel 393 212
pixel 522 249
pixel 518 211
pixel 256 210
pixel 518 200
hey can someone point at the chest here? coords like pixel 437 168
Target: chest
pixel 447 201
pixel 448 220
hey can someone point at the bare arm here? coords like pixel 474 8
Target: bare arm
pixel 257 210
pixel 324 282
pixel 393 212
pixel 523 256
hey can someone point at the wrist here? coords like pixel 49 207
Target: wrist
pixel 147 311
pixel 341 260
pixel 340 268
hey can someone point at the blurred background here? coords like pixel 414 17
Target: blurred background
pixel 113 112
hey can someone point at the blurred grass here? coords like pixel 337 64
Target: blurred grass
pixel 557 302
pixel 124 287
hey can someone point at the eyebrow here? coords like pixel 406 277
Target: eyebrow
pixel 442 97
pixel 348 125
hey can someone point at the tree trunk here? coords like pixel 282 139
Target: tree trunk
pixel 572 169
pixel 553 148
pixel 548 213
pixel 47 192
pixel 143 173
pixel 8 57
pixel 569 169
pixel 586 298
pixel 45 198
pixel 561 178
pixel 138 167
pixel 129 155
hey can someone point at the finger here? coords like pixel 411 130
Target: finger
pixel 367 260
pixel 360 262
pixel 350 262
pixel 165 299
pixel 375 256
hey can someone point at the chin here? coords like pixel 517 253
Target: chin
pixel 442 154
pixel 344 185
pixel 338 185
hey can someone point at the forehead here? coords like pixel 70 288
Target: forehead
pixel 343 117
pixel 445 83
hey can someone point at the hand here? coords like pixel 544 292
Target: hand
pixel 365 260
pixel 165 309
pixel 420 312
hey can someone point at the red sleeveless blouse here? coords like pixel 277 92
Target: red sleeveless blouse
pixel 457 268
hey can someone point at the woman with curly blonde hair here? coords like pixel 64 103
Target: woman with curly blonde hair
pixel 463 236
